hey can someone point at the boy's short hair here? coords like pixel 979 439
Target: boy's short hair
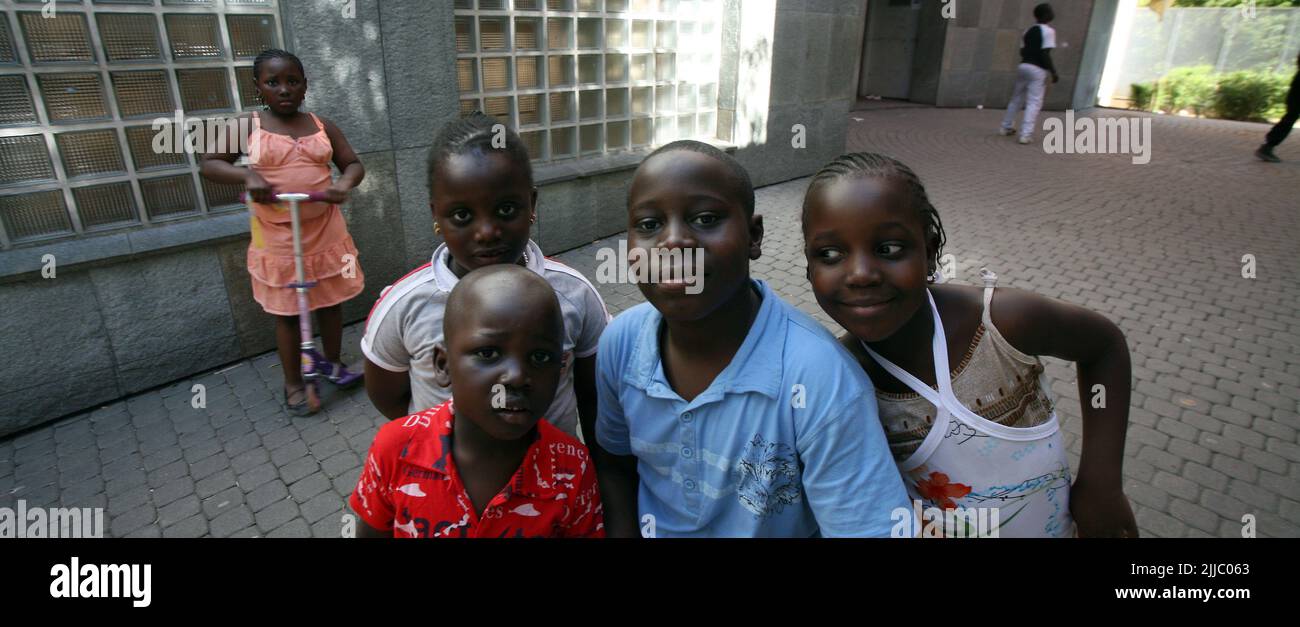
pixel 523 281
pixel 742 186
pixel 1044 13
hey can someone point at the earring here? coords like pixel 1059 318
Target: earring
pixel 532 219
pixel 437 230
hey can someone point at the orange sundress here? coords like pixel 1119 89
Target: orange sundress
pixel 329 255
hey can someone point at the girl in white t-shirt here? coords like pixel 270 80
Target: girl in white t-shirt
pixel 484 205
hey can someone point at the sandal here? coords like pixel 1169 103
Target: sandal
pixel 339 375
pixel 299 408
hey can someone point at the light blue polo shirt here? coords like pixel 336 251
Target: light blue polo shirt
pixel 786 441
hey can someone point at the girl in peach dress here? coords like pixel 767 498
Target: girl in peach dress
pixel 290 151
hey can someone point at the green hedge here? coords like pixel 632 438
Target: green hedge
pixel 1243 95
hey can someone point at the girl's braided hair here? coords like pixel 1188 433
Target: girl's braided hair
pixel 870 164
pixel 476 131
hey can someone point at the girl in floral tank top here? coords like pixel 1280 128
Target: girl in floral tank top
pixel 960 388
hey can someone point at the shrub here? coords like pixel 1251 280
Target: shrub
pixel 1142 96
pixel 1189 88
pixel 1250 95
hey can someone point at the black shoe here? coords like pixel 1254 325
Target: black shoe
pixel 1265 153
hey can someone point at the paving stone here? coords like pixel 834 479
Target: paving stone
pixel 255 477
pixel 266 494
pixel 195 526
pixel 296 470
pixel 178 510
pixel 296 528
pixel 231 522
pixel 308 487
pixel 276 514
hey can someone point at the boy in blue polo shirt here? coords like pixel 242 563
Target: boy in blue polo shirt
pixel 724 411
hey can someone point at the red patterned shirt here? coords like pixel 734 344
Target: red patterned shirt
pixel 410 485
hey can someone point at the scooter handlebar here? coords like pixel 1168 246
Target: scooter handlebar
pixel 291 196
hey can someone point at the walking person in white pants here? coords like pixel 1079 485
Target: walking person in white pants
pixel 1031 79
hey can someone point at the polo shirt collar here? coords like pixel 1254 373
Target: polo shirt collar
pixel 756 367
pixel 446 279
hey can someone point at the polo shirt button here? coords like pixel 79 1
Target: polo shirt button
pixel 689 484
pixel 687 417
pixel 687 452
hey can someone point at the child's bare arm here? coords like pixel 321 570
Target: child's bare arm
pixel 219 167
pixel 389 392
pixel 346 160
pixel 584 389
pixel 619 483
pixel 1041 326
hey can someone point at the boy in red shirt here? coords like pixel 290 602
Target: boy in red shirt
pixel 485 463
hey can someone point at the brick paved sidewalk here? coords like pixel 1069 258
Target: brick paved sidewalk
pixel 1158 248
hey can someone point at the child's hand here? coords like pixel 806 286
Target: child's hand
pixel 336 195
pixel 257 187
pixel 1102 513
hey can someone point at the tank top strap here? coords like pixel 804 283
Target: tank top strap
pixel 990 280
pixel 257 121
pixel 319 126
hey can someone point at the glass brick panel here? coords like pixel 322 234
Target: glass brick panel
pixel 129 36
pixel 530 112
pixel 616 135
pixel 615 68
pixel 561 105
pixel 641 30
pixel 640 67
pixel 685 97
pixel 465 76
pixel 616 103
pixel 527 5
pixel 643 101
pixel 24 158
pixel 665 130
pixel 140 143
pixel 560 71
pixel 559 5
pixel 641 131
pixel 664 99
pixel 665 34
pixel 194 36
pixel 589 104
pixel 250 34
pixel 665 66
pixel 533 142
pixel 589 68
pixel 7 54
pixel 686 126
pixel 589 33
pixel 528 74
pixel 74 96
pixel 172 195
pixel 708 96
pixel 589 5
pixel 492 33
pixel 62 38
pixel 492 5
pixel 527 34
pixel 707 124
pixel 498 108
pixel 559 33
pixel 204 90
pixel 101 205
pixel 222 195
pixel 468 107
pixel 615 6
pixel 143 93
pixel 562 142
pixel 496 74
pixel 16 105
pixel 615 33
pixel 90 152
pixel 248 96
pixel 30 216
pixel 590 139
pixel 464 34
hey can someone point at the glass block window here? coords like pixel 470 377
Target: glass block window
pixel 583 78
pixel 83 92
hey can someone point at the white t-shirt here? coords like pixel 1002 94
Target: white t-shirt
pixel 406 322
